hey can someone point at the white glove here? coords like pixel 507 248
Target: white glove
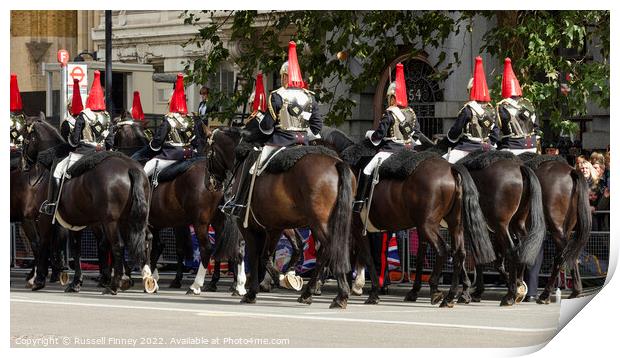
pixel 369 136
pixel 312 136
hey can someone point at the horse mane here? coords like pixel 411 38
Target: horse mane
pixel 139 134
pixel 336 138
pixel 49 128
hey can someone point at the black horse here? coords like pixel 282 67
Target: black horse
pixel 119 205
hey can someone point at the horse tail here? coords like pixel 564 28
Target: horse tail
pixel 584 218
pixel 227 240
pixel 473 219
pixel 138 214
pixel 529 248
pixel 339 224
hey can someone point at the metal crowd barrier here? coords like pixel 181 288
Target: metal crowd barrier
pixel 21 251
pixel 594 259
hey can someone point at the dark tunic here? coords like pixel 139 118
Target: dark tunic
pixel 383 132
pixel 283 138
pixel 464 143
pixel 171 152
pixel 75 138
pixel 526 142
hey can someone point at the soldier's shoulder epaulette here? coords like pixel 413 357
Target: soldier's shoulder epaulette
pixel 308 91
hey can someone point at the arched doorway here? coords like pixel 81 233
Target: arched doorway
pixel 423 91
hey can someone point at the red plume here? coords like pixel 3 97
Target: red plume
pixel 479 90
pixel 76 100
pixel 510 84
pixel 16 98
pixel 177 103
pixel 401 87
pixel 136 107
pixel 260 100
pixel 95 97
pixel 294 73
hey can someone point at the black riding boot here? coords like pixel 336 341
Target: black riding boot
pixel 236 206
pixel 48 205
pixel 362 192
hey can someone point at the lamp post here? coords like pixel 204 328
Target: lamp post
pixel 108 61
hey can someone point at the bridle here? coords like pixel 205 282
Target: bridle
pixel 27 160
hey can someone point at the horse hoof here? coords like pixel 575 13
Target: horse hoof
pixel 356 291
pixel 292 281
pixel 465 299
pixel 317 292
pixel 337 303
pixel 64 278
pixel 264 288
pixel 247 299
pixel 108 291
pixel 73 288
pixel 37 285
pixel 29 284
pixel 235 293
pixel 175 284
pixel 372 300
pixel 543 298
pixel 150 285
pixel 411 296
pixel 447 303
pixel 574 295
pixel 436 297
pixel 193 291
pixel 211 288
pixel 507 301
pixel 521 292
pixel 305 300
pixel 54 277
pixel 125 284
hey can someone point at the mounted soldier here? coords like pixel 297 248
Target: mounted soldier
pixel 397 130
pixel 517 117
pixel 17 116
pixel 86 133
pixel 176 137
pixel 288 118
pixel 475 126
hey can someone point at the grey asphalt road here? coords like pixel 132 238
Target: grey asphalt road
pixel 52 318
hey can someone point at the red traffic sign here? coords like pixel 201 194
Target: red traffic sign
pixel 63 57
pixel 77 73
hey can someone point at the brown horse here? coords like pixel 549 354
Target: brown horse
pixel 433 191
pixel 567 208
pixel 510 198
pixel 119 204
pixel 316 193
pixel 180 202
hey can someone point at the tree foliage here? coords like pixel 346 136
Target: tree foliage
pixel 346 51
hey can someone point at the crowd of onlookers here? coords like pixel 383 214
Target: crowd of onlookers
pixel 596 171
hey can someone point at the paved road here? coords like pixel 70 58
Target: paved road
pixel 170 318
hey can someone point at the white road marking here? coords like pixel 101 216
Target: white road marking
pixel 299 317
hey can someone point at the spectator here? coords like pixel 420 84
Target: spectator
pixel 580 159
pixel 592 179
pixel 597 157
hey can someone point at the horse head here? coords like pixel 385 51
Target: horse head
pixel 38 135
pixel 220 151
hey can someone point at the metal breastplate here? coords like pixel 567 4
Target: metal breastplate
pixel 17 125
pixel 481 122
pixel 181 130
pixel 404 124
pixel 96 129
pixel 296 109
pixel 522 118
